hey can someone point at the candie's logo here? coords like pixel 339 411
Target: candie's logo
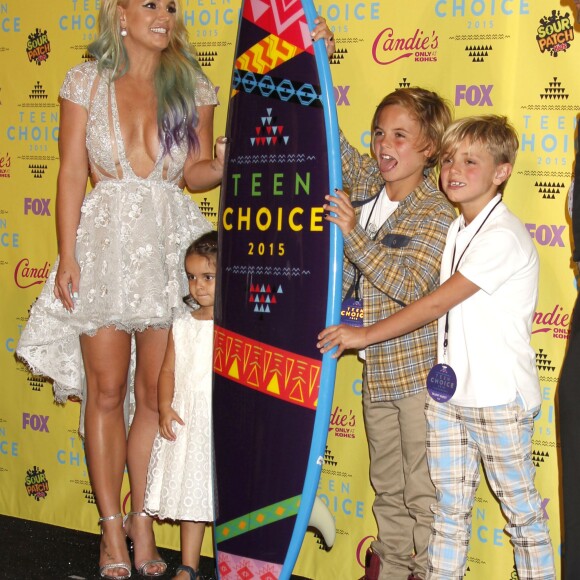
pixel 36 483
pixel 342 423
pixel 26 275
pixel 38 46
pixel 555 321
pixel 5 165
pixel 361 550
pixel 555 33
pixel 389 47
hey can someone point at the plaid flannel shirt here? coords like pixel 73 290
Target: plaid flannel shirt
pixel 400 265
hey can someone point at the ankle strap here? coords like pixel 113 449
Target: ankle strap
pixel 144 514
pixel 109 518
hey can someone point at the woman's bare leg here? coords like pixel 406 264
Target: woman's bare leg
pixel 150 344
pixel 106 359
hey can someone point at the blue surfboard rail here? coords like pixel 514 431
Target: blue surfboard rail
pixel 328 370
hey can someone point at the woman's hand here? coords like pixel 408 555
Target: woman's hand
pixel 166 419
pixel 321 30
pixel 342 336
pixel 344 216
pixel 220 153
pixel 66 282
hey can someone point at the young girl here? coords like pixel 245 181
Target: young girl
pixel 179 483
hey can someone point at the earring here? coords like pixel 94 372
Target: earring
pixel 123 32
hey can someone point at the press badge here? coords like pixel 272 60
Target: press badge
pixel 351 312
pixel 441 383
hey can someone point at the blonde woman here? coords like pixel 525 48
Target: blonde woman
pixel 137 122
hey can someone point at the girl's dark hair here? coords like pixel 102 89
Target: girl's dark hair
pixel 206 245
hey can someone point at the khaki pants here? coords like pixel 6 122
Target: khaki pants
pixel 396 434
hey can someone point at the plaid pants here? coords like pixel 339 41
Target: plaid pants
pixel 458 438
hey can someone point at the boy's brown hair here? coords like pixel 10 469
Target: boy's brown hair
pixel 430 110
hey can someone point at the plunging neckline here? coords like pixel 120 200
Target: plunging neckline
pixel 123 159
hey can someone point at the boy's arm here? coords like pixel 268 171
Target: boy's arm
pixel 404 275
pixel 431 307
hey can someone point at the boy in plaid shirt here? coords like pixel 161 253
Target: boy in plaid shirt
pixel 393 242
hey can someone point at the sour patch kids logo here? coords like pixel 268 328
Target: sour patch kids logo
pixel 555 33
pixel 38 46
pixel 36 483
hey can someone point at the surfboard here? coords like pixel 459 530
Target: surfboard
pixel 279 284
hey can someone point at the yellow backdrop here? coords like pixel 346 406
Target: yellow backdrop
pixel 514 57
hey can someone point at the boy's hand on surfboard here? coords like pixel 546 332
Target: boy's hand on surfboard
pixel 321 30
pixel 342 336
pixel 166 419
pixel 342 211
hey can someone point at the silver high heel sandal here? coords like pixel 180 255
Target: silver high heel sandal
pixel 107 567
pixel 142 567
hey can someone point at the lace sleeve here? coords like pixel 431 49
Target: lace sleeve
pixel 204 91
pixel 78 82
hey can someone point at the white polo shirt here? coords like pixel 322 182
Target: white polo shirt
pixel 489 333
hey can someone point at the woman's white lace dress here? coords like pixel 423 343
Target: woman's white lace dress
pixel 131 241
pixel 179 482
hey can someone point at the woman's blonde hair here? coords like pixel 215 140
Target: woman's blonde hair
pixel 175 78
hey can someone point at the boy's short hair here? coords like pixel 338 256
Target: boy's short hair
pixel 430 110
pixel 493 132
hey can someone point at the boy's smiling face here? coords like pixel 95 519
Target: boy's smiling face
pixel 400 149
pixel 470 177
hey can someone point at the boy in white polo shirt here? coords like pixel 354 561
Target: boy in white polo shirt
pixel 485 390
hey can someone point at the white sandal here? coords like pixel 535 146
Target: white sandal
pixel 142 568
pixel 107 567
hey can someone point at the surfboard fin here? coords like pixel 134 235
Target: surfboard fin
pixel 322 520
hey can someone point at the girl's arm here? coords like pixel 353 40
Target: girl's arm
pixel 165 390
pixel 71 187
pixel 429 308
pixel 202 171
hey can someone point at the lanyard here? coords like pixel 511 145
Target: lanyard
pixel 453 271
pixel 358 272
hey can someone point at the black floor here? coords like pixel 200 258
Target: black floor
pixel 34 551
